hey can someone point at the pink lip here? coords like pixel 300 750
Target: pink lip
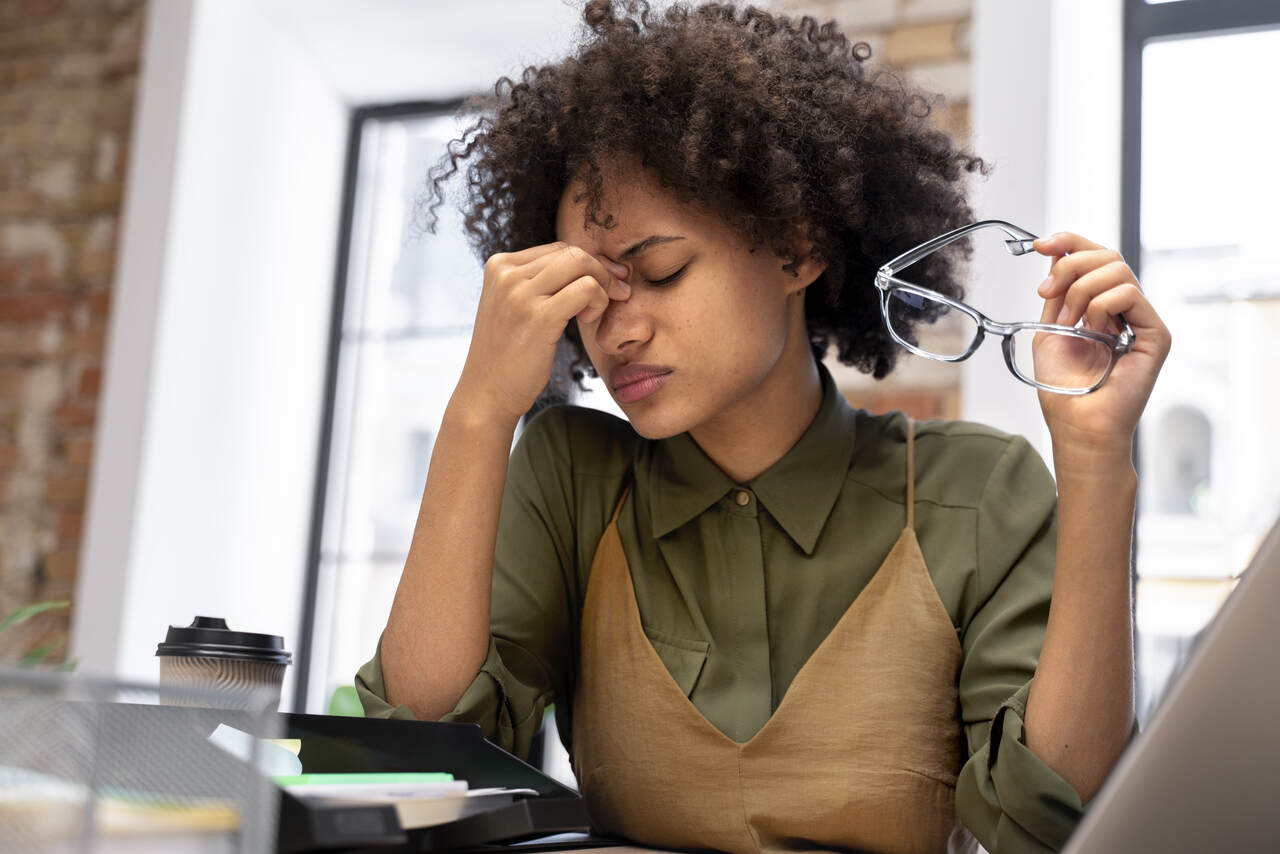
pixel 631 383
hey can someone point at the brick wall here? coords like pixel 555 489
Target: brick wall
pixel 928 41
pixel 68 76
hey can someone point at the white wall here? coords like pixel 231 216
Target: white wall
pixel 1046 111
pixel 103 579
pixel 233 386
pixel 1010 129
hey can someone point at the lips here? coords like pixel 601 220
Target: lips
pixel 631 383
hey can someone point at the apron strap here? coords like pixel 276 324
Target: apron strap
pixel 911 474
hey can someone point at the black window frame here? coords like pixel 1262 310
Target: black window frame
pixel 1146 22
pixel 351 169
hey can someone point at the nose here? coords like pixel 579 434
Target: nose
pixel 623 327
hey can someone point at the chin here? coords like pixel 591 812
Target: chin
pixel 653 423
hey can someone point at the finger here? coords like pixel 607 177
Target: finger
pixel 504 268
pixel 1063 243
pixel 1100 316
pixel 1083 290
pixel 619 270
pixel 525 256
pixel 1067 269
pixel 1138 312
pixel 1052 308
pixel 583 298
pixel 538 260
pixel 549 273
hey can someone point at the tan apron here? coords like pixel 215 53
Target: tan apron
pixel 862 752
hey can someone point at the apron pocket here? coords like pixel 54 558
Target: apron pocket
pixel 682 657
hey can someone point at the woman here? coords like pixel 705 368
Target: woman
pixel 766 620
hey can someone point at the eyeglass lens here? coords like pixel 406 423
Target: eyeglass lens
pixel 940 329
pixel 1055 360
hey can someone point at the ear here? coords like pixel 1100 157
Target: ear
pixel 807 269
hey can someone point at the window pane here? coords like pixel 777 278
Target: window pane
pixel 403 388
pixel 1211 484
pixel 411 280
pixel 410 303
pixel 365 589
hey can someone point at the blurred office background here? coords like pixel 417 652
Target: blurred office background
pixel 225 349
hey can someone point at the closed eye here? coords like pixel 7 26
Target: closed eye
pixel 669 279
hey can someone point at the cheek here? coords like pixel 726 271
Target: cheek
pixel 751 309
pixel 738 334
pixel 587 335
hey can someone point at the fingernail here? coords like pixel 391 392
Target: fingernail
pixel 619 270
pixel 1064 316
pixel 1045 286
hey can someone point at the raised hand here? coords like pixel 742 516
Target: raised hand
pixel 527 300
pixel 1092 283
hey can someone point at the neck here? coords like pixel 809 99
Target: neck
pixel 758 430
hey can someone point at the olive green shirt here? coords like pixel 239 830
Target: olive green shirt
pixel 738 584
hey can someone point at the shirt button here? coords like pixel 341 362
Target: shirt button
pixel 742 497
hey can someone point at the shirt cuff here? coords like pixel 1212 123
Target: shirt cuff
pixel 508 712
pixel 373 692
pixel 1009 797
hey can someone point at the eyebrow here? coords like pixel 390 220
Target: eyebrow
pixel 648 242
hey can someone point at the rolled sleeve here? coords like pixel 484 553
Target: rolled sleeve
pixel 1011 800
pixel 508 712
pixel 372 691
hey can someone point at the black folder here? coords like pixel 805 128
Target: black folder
pixel 352 745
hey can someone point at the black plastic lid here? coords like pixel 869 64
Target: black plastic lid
pixel 209 637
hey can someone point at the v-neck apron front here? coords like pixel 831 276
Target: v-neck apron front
pixel 862 753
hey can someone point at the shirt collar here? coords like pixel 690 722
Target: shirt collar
pixel 798 490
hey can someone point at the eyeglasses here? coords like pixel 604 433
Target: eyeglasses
pixel 1048 356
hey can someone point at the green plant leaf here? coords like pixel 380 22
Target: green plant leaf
pixel 345 702
pixel 39 654
pixel 68 665
pixel 27 612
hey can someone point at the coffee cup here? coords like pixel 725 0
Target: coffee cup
pixel 208 664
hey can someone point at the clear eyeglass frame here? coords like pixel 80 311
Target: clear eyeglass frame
pixel 1019 242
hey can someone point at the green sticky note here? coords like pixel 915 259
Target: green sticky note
pixel 349 779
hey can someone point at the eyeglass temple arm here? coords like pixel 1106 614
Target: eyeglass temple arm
pixel 1019 243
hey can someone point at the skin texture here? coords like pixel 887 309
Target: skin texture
pixel 745 400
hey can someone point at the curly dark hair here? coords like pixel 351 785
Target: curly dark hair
pixel 774 123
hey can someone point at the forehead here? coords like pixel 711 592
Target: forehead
pixel 637 202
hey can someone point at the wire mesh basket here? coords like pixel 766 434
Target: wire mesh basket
pixel 95 765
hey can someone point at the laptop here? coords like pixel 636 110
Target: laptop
pixel 1205 773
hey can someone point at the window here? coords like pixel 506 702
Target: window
pixel 1199 188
